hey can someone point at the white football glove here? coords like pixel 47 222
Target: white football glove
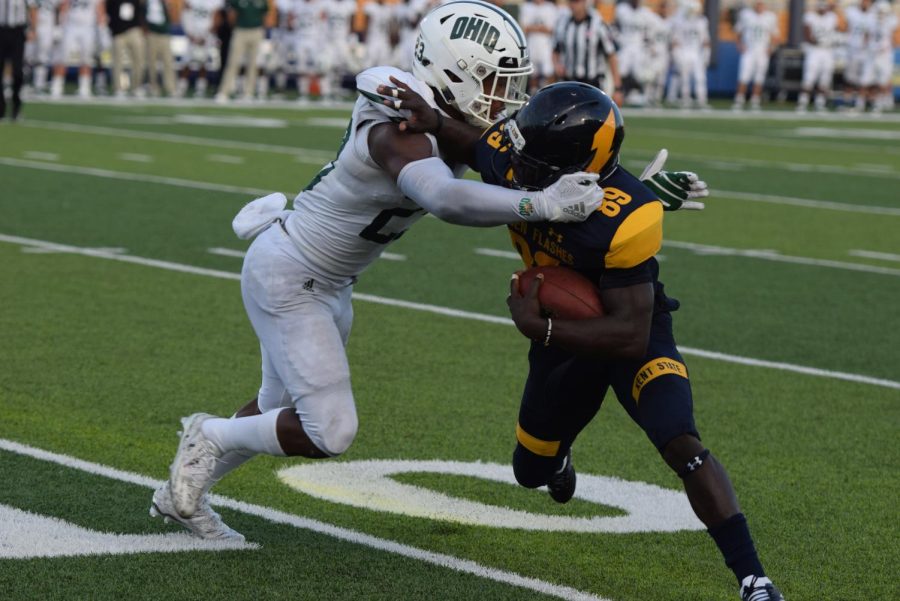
pixel 675 189
pixel 571 198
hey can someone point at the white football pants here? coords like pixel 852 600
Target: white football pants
pixel 302 325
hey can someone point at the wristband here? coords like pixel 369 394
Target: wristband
pixel 549 331
pixel 440 119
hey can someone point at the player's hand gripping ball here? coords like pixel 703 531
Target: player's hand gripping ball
pixel 564 293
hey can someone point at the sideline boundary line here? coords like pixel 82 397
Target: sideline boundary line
pixel 447 311
pixel 443 560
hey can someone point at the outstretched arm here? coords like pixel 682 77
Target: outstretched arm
pixel 428 181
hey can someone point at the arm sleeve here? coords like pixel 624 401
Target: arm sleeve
pixel 431 184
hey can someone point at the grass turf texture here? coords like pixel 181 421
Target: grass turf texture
pixel 101 358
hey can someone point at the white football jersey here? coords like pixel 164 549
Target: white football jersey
pixel 46 13
pixel 352 210
pixel 756 29
pixel 859 23
pixel 82 13
pixel 822 27
pixel 197 16
pixel 532 15
pixel 633 24
pixel 881 35
pixel 659 34
pixel 338 14
pixel 306 20
pixel 690 33
pixel 379 22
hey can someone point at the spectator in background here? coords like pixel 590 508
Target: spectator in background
pixel 858 24
pixel 159 47
pixel 690 48
pixel 15 16
pixel 223 29
pixel 45 34
pixel 79 38
pixel 633 22
pixel 819 29
pixel 125 18
pixel 247 18
pixel 584 50
pixel 758 30
pixel 879 68
pixel 537 19
pixel 198 22
pixel 659 43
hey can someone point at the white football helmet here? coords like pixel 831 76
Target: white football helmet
pixel 473 54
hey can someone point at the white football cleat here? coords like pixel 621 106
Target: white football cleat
pixel 206 523
pixel 192 469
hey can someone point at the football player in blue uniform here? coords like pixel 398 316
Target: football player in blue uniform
pixel 568 127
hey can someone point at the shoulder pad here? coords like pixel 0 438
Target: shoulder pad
pixel 368 81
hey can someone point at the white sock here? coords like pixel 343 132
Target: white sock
pixel 255 433
pixel 40 77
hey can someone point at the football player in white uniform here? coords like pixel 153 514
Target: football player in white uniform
pixel 859 22
pixel 471 62
pixel 336 53
pixel 46 35
pixel 690 52
pixel 197 20
pixel 79 20
pixel 819 31
pixel 633 23
pixel 659 42
pixel 378 46
pixel 538 20
pixel 758 30
pixel 305 25
pixel 877 71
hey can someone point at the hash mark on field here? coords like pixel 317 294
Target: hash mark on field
pixel 240 254
pixel 502 254
pixel 448 311
pixel 344 534
pixel 135 157
pixel 37 250
pixel 225 158
pixel 871 254
pixel 40 156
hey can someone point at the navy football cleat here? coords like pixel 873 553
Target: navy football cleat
pixel 561 485
pixel 759 589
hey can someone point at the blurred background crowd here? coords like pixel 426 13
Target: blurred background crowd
pixel 815 53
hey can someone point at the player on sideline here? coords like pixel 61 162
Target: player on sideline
pixel 79 20
pixel 690 51
pixel 298 275
pixel 819 30
pixel 565 127
pixel 879 68
pixel 757 28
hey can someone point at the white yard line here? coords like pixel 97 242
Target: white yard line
pixel 871 254
pixel 134 177
pixel 316 157
pixel 173 181
pixel 845 133
pixel 766 255
pixel 771 255
pixel 345 534
pixel 448 311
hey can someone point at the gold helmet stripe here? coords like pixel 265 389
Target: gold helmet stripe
pixel 603 141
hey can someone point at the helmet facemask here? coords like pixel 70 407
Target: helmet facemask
pixel 508 85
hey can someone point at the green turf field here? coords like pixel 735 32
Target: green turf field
pixel 120 312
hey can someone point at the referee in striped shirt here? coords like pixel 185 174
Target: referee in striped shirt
pixel 14 18
pixel 585 51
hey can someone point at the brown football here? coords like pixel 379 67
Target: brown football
pixel 564 293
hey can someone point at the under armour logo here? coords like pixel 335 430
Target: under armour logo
pixel 308 285
pixel 694 464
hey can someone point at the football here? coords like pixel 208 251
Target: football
pixel 564 293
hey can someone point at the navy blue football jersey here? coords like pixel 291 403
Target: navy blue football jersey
pixel 614 247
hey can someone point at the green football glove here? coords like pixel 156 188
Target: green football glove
pixel 675 189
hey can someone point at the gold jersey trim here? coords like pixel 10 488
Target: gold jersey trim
pixel 544 448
